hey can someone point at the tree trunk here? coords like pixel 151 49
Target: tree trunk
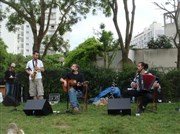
pixel 36 46
pixel 178 58
pixel 125 57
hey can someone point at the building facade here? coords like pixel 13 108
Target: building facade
pixel 24 40
pixel 153 31
pixel 21 41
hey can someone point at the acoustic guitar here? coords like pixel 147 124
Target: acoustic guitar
pixel 72 83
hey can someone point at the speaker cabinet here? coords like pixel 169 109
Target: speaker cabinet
pixel 10 101
pixel 37 107
pixel 119 106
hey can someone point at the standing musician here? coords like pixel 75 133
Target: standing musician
pixel 34 68
pixel 138 89
pixel 10 76
pixel 73 82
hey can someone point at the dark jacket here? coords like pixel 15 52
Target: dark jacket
pixel 8 78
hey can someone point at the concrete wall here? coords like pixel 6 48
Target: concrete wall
pixel 154 57
pixel 157 57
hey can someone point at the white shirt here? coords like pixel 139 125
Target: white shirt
pixel 30 66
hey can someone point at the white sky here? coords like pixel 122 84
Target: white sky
pixel 146 13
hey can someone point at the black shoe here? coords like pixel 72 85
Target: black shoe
pixel 141 111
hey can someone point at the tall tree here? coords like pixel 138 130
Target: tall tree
pixel 175 15
pixel 109 45
pixel 38 14
pixel 111 7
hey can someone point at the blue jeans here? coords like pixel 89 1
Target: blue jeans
pixel 73 97
pixel 9 89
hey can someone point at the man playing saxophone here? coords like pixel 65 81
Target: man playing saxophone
pixel 34 67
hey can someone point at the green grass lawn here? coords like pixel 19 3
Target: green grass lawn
pixel 94 121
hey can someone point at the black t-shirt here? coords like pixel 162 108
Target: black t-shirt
pixel 78 77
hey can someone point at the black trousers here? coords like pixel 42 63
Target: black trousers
pixel 147 96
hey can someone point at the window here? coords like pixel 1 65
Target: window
pixel 52 26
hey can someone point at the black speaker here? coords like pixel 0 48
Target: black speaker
pixel 37 107
pixel 119 106
pixel 10 101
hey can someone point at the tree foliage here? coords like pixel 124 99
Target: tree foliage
pixel 161 42
pixel 7 58
pixel 3 57
pixel 85 54
pixel 39 13
pixel 54 60
pixel 109 44
pixel 18 59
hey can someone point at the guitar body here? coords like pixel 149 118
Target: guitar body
pixel 70 84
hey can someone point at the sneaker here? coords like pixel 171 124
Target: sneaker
pixel 75 109
pixel 137 114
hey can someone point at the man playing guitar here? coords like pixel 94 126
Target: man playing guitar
pixel 72 83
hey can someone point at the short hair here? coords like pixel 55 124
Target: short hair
pixel 35 51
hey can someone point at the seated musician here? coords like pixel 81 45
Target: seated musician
pixel 73 81
pixel 136 87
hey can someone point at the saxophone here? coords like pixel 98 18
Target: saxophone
pixel 33 75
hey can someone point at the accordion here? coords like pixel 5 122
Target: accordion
pixel 146 81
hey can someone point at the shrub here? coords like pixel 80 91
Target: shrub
pixel 173 81
pixel 101 78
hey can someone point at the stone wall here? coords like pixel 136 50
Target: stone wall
pixel 165 58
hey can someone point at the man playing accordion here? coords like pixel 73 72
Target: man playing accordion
pixel 143 85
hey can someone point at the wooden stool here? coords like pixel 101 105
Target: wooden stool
pixel 154 101
pixel 3 89
pixel 85 98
